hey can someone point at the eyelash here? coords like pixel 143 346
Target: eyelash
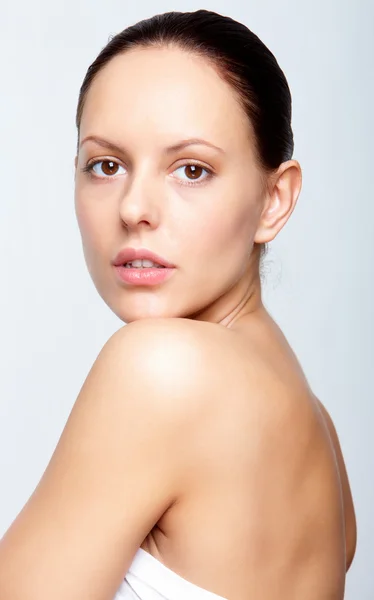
pixel 89 169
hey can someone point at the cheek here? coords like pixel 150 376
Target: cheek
pixel 227 234
pixel 91 225
pixel 81 211
pixel 82 218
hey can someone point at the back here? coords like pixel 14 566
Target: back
pixel 262 502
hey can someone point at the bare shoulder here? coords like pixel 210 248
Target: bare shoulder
pixel 164 335
pixel 175 354
pixel 191 363
pixel 261 443
pixel 239 410
pixel 117 468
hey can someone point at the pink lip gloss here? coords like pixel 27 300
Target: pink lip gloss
pixel 144 275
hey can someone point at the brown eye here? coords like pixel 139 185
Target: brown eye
pixel 193 172
pixel 109 167
pixel 103 169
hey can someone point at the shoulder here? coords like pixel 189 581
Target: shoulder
pixel 181 364
pixel 168 362
pixel 165 336
pixel 118 467
pixel 168 349
pixel 198 363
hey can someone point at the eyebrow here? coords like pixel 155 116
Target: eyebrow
pixel 174 148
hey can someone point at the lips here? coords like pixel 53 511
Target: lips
pixel 129 254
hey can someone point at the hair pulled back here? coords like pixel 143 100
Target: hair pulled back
pixel 239 57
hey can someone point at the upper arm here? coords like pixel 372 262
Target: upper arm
pixel 116 469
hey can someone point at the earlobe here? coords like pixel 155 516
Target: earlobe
pixel 281 201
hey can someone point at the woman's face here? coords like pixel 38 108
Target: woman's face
pixel 197 205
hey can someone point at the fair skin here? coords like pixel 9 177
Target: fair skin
pixel 195 434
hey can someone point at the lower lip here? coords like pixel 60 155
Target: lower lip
pixel 144 276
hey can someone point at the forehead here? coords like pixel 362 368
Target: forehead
pixel 167 92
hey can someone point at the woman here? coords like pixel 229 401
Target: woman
pixel 196 461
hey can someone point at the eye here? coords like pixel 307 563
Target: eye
pixel 104 169
pixel 193 172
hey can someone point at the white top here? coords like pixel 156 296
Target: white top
pixel 150 579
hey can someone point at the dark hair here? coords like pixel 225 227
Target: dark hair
pixel 238 56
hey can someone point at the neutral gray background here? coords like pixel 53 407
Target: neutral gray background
pixel 319 273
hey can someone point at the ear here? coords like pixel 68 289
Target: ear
pixel 283 191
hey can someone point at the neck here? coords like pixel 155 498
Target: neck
pixel 244 298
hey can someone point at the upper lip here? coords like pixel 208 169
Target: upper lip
pixel 129 254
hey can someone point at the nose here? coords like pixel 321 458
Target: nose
pixel 140 203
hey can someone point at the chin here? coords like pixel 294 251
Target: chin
pixel 129 311
pixel 136 304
